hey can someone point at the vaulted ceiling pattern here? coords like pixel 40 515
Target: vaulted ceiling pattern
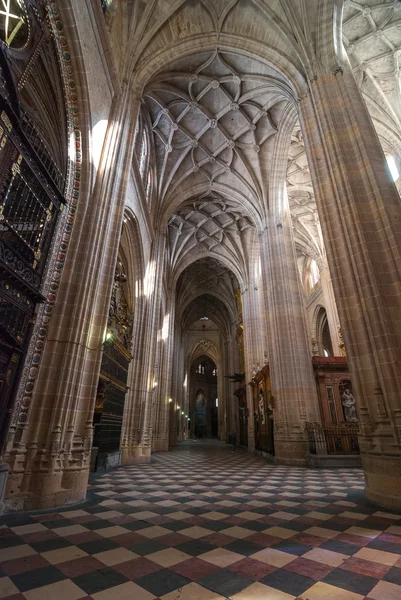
pixel 212 115
pixel 209 224
pixel 215 114
pixel 372 38
pixel 210 284
pixel 210 306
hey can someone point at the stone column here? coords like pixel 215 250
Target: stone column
pixel 254 323
pixel 230 425
pixel 146 390
pixel 331 308
pixel 50 454
pixel 293 385
pixel 177 393
pixel 360 214
pixel 130 435
pixel 162 409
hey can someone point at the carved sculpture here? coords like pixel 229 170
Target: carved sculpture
pixel 342 345
pixel 120 320
pixel 262 406
pixel 348 402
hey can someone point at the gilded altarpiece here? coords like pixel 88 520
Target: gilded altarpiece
pixel 112 387
pixel 263 411
pixel 240 393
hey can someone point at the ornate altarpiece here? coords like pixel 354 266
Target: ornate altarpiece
pixel 263 411
pixel 112 387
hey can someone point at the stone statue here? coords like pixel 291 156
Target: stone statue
pixel 262 406
pixel 341 345
pixel 120 320
pixel 200 400
pixel 348 402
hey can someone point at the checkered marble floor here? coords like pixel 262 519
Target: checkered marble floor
pixel 203 523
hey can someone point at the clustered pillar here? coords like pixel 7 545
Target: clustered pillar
pixel 360 214
pixel 49 454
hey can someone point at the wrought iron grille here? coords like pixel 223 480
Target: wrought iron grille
pixel 42 153
pixel 339 439
pixel 33 169
pixel 26 215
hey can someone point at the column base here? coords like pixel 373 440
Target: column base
pixel 290 452
pixel 46 490
pixel 383 480
pixel 137 455
pixel 4 468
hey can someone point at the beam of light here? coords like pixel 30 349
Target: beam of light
pixel 98 135
pixel 395 174
pixel 165 328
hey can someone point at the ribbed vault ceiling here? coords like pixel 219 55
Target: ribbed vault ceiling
pixel 372 38
pixel 206 289
pixel 211 223
pixel 212 116
pixel 215 115
pixel 210 306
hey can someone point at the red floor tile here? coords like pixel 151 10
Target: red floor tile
pixel 81 538
pixel 128 538
pixel 251 568
pixel 309 540
pixel 309 568
pixel 39 536
pixel 139 567
pixel 194 569
pixel 80 566
pixel 172 539
pixel 365 567
pixel 218 539
pixel 21 565
pixel 263 539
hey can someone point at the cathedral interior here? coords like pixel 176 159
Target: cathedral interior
pixel 200 299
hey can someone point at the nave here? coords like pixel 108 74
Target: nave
pixel 204 523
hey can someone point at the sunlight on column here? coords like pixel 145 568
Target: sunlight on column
pixel 257 269
pixel 314 273
pixel 148 280
pixel 165 327
pixel 395 174
pixel 98 135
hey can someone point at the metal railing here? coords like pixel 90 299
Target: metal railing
pixel 333 439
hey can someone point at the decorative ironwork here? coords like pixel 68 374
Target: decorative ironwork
pixel 328 440
pixel 33 168
pixel 14 23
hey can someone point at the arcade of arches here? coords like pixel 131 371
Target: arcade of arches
pixel 200 237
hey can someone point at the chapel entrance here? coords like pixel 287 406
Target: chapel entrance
pixel 204 401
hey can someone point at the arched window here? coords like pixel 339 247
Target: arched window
pixel 143 156
pixel 142 146
pixel 105 5
pixel 314 274
pixel 323 338
pixel 392 165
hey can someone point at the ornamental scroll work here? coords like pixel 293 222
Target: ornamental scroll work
pixel 120 321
